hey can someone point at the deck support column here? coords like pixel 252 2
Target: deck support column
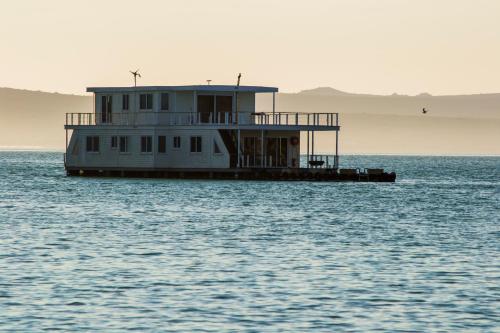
pixel 307 156
pixel 336 149
pixel 312 145
pixel 66 147
pixel 337 142
pixel 195 103
pixel 238 149
pixel 261 148
pixel 274 105
pixel 234 114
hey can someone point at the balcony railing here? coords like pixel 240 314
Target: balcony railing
pixel 197 118
pixel 296 118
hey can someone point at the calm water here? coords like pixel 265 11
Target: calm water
pixel 111 255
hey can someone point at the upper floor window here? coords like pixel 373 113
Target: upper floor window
pixel 93 144
pixel 196 144
pixel 123 144
pixel 146 101
pixel 162 144
pixel 177 142
pixel 125 102
pixel 164 101
pixel 146 144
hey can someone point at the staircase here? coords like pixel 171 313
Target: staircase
pixel 230 141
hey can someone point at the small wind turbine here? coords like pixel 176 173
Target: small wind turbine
pixel 424 111
pixel 208 82
pixel 135 74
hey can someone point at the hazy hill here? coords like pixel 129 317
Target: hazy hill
pixel 370 124
pixel 322 100
pixel 325 91
pixel 36 119
pixel 464 124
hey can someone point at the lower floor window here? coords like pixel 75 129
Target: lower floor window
pixel 196 144
pixel 216 148
pixel 93 144
pixel 177 141
pixel 162 144
pixel 114 142
pixel 146 144
pixel 123 144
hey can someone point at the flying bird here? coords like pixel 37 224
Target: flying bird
pixel 424 111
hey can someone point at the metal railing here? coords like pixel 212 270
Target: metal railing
pixel 197 118
pixel 296 118
pixel 80 119
pixel 265 161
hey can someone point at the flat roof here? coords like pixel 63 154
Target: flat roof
pixel 212 88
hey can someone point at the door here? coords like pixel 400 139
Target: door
pixel 277 152
pixel 224 106
pixel 106 109
pixel 215 109
pixel 206 105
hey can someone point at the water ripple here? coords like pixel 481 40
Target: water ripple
pixel 115 255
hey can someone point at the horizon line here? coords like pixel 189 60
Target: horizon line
pixel 347 93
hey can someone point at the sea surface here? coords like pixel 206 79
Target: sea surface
pixel 116 255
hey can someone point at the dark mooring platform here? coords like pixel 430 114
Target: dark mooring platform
pixel 288 174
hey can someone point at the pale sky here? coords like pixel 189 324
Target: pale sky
pixel 366 46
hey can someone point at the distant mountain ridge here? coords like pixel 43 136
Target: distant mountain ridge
pixel 329 91
pixel 325 91
pixel 394 124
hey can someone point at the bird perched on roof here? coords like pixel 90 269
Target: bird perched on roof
pixel 424 111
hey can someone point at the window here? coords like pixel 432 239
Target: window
pixel 146 101
pixel 216 148
pixel 123 144
pixel 146 144
pixel 106 109
pixel 196 144
pixel 164 101
pixel 162 144
pixel 93 144
pixel 114 142
pixel 125 102
pixel 177 142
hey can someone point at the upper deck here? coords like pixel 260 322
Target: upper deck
pixel 210 106
pixel 299 121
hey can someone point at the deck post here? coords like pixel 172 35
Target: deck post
pixel 195 102
pixel 238 148
pixel 261 148
pixel 234 116
pixel 312 143
pixel 274 104
pixel 337 149
pixel 307 161
pixel 337 142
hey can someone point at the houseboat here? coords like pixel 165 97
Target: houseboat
pixel 201 131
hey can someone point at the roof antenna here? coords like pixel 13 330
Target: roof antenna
pixel 239 77
pixel 135 74
pixel 208 82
